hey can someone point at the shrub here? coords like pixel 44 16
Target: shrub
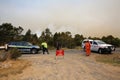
pixel 3 55
pixel 14 53
pixel 113 59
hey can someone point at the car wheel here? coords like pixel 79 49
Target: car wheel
pixel 100 51
pixel 110 52
pixel 33 51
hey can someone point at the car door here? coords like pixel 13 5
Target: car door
pixel 94 46
pixel 26 47
pixel 22 46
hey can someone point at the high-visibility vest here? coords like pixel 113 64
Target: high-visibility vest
pixel 44 44
pixel 87 45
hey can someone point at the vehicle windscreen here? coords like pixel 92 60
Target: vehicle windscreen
pixel 26 44
pixel 100 42
pixel 89 41
pixel 29 43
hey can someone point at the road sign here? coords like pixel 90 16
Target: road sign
pixel 59 53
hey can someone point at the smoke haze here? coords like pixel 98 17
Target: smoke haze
pixel 94 18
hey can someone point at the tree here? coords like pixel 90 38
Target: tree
pixel 78 39
pixel 94 38
pixel 27 36
pixel 31 37
pixel 46 36
pixel 42 37
pixel 9 33
pixel 18 36
pixel 111 40
pixel 56 39
pixel 64 38
pixel 34 39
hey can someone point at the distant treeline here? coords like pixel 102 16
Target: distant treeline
pixel 10 33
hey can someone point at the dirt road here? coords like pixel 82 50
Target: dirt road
pixel 74 66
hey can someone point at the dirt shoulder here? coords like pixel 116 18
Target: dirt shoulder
pixel 12 67
pixel 74 66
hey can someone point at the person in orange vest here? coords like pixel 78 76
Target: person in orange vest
pixel 87 48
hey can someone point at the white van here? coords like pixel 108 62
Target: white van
pixel 99 46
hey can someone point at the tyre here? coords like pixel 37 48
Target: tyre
pixel 110 52
pixel 100 51
pixel 34 51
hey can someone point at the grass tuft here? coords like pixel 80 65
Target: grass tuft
pixel 113 59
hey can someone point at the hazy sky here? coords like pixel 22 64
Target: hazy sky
pixel 94 18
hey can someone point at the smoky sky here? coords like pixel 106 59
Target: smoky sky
pixel 94 18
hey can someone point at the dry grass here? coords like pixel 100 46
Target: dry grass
pixel 113 59
pixel 78 48
pixel 16 67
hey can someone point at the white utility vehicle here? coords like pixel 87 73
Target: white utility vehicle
pixel 99 46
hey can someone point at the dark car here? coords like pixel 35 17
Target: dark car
pixel 24 47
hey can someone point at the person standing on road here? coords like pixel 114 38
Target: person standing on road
pixel 58 45
pixel 87 48
pixel 44 47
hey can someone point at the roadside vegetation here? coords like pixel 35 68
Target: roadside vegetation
pixel 12 54
pixel 12 67
pixel 10 33
pixel 10 64
pixel 113 59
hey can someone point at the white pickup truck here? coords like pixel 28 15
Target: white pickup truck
pixel 99 46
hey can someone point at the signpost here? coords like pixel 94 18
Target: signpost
pixel 59 53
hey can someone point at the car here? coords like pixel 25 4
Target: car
pixel 24 47
pixel 99 46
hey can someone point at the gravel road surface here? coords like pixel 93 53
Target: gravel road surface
pixel 74 66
